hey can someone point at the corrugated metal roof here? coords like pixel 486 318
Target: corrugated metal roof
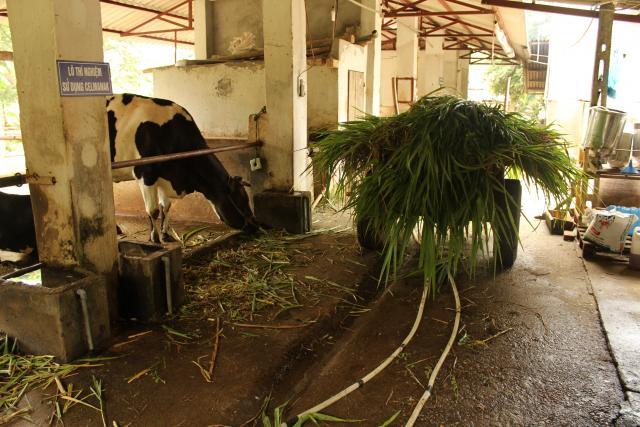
pixel 536 67
pixel 146 18
pixel 123 16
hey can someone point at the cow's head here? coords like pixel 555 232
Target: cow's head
pixel 240 200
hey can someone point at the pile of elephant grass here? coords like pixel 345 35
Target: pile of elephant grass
pixel 20 374
pixel 439 168
pixel 259 279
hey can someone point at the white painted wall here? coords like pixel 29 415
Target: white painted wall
pixel 232 18
pixel 388 71
pixel 436 68
pixel 352 57
pixel 219 96
pixel 222 96
pixel 430 68
pixel 328 101
pixel 571 57
pixel 322 103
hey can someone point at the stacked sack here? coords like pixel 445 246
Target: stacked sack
pixel 609 229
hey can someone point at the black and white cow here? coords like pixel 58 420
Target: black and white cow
pixel 141 127
pixel 17 232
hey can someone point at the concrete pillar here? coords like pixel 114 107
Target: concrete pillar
pixel 369 22
pixel 463 76
pixel 407 47
pixel 285 65
pixel 430 61
pixel 203 28
pixel 64 137
pixel 450 70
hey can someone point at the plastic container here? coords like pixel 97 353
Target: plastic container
pixel 634 257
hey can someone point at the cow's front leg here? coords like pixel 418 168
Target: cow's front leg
pixel 150 197
pixel 153 217
pixel 164 221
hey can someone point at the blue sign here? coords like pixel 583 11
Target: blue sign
pixel 84 78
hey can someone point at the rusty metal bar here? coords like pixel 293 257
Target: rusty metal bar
pixel 162 39
pixel 408 6
pixel 159 14
pixel 141 8
pixel 22 271
pixel 439 27
pixel 587 13
pixel 11 181
pixel 145 33
pixel 457 35
pixel 169 21
pixel 182 155
pixel 469 5
pixel 439 13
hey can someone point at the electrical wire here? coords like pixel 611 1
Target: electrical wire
pixel 361 382
pixel 443 356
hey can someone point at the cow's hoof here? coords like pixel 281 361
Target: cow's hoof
pixel 154 238
pixel 168 238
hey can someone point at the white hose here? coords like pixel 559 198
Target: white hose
pixel 358 384
pixel 85 316
pixel 361 382
pixel 166 261
pixel 434 374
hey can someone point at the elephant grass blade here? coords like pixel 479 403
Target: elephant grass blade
pixel 440 164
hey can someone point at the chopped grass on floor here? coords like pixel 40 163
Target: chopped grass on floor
pixel 20 374
pixel 279 417
pixel 239 284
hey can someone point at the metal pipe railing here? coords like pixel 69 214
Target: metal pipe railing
pixel 21 179
pixel 182 155
pixel 11 181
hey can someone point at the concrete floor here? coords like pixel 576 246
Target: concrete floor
pixel 570 354
pixel 617 292
pixel 552 365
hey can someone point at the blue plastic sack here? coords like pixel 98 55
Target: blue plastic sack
pixel 627 210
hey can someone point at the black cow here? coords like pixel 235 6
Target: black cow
pixel 141 127
pixel 17 233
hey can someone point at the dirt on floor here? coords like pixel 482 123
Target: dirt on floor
pixel 530 351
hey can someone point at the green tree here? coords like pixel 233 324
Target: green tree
pixel 8 92
pixel 124 58
pixel 498 79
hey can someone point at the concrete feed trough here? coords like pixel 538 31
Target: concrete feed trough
pixel 143 277
pixel 63 313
